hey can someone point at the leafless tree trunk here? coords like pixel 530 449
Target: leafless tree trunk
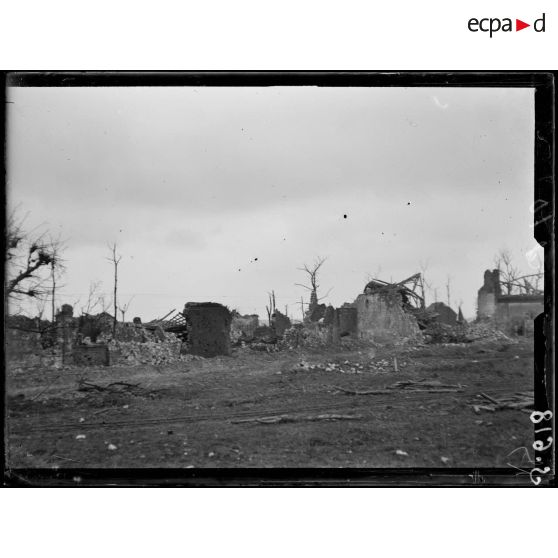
pixel 115 260
pixel 448 286
pixel 124 308
pixel 53 298
pixel 302 307
pixel 312 272
pixel 424 284
pixel 271 308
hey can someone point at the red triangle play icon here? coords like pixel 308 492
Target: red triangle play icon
pixel 519 25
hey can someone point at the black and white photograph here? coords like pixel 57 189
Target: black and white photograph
pixel 262 275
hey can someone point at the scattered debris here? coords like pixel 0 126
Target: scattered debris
pixel 292 418
pixel 85 385
pixel 523 401
pixel 432 386
pixel 428 386
pixel 348 367
pixel 401 452
pixel 444 460
pixel 111 447
pixel 363 392
pixel 80 437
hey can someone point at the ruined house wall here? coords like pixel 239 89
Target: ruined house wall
pixel 486 305
pixel 488 293
pixel 209 326
pixel 512 311
pixel 509 312
pixel 382 319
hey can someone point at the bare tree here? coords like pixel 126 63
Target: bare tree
pixel 95 299
pixel 312 273
pixel 448 290
pixel 511 277
pixel 424 284
pixel 509 273
pixel 124 308
pixel 30 255
pixel 301 306
pixel 538 266
pixel 114 258
pixel 270 309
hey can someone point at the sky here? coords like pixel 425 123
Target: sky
pixel 222 194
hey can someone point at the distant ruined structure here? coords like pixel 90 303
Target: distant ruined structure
pixel 513 313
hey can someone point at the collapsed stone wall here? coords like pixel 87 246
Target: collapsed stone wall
pixel 69 342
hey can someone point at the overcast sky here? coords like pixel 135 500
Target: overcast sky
pixel 222 193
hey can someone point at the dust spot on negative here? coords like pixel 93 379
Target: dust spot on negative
pixel 345 216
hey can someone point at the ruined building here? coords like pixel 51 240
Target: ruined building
pixel 511 312
pixel 208 327
pixel 444 314
pixel 384 312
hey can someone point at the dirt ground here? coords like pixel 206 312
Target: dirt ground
pixel 257 409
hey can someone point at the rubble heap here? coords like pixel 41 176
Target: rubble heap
pixel 152 351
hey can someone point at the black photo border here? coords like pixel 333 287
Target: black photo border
pixel 544 218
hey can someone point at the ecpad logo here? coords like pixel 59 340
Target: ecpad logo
pixel 494 24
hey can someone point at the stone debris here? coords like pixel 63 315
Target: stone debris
pixel 441 333
pixel 151 352
pixel 347 367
